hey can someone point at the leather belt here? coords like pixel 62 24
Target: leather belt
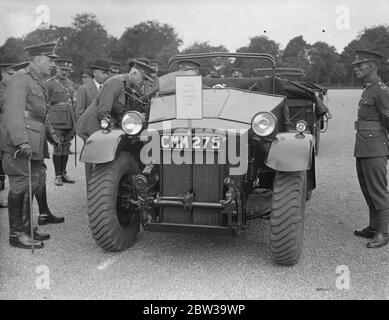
pixel 35 116
pixel 369 125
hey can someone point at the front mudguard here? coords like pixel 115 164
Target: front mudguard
pixel 101 146
pixel 291 151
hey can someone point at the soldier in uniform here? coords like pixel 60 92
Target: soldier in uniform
pixel 88 91
pixel 110 102
pixel 6 72
pixel 25 131
pixel 60 91
pixel 371 147
pixel 114 69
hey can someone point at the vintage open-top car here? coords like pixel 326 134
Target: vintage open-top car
pixel 206 144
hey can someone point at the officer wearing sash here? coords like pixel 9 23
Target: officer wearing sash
pixel 62 117
pixel 24 133
pixel 371 147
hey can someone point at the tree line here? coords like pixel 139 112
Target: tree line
pixel 87 39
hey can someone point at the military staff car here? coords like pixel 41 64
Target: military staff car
pixel 206 144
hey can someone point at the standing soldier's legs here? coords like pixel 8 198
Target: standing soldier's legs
pixel 45 215
pixel 375 174
pixel 371 229
pixel 18 210
pixel 61 156
pixel 68 137
pixel 57 159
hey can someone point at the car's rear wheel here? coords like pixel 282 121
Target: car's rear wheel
pixel 287 217
pixel 114 222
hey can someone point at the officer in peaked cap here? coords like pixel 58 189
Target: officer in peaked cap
pixel 6 72
pixel 62 117
pixel 88 91
pixel 24 133
pixel 104 107
pixel 112 101
pixel 114 68
pixel 371 147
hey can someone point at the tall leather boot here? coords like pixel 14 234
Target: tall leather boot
pixel 45 215
pixel 65 177
pixel 57 161
pixel 381 238
pixel 17 237
pixel 26 218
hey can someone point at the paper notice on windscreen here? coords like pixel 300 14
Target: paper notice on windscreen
pixel 189 97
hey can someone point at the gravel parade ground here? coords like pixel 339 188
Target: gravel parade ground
pixel 184 266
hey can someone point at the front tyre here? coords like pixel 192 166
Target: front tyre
pixel 114 222
pixel 287 217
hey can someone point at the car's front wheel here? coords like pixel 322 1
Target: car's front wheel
pixel 287 217
pixel 114 222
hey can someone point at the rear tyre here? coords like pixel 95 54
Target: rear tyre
pixel 287 217
pixel 113 222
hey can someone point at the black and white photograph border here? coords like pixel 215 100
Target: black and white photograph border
pixel 318 37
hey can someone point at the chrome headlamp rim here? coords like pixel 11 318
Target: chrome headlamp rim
pixel 140 123
pixel 272 123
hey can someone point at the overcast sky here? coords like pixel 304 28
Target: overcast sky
pixel 227 22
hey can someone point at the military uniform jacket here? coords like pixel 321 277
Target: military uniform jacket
pixel 26 91
pixel 84 97
pixel 372 141
pixel 61 96
pixel 110 102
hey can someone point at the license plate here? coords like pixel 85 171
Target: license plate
pixel 205 142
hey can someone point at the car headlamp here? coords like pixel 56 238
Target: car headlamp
pixel 264 124
pixel 301 126
pixel 132 123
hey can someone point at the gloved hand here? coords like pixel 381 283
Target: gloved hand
pixel 24 151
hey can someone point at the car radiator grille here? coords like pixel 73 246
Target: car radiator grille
pixel 205 180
